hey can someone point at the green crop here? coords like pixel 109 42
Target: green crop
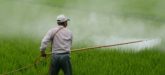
pixel 18 52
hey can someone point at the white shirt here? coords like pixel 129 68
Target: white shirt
pixel 62 40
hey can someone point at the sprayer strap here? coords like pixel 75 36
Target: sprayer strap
pixel 54 36
pixel 57 32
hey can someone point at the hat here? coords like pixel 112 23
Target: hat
pixel 62 18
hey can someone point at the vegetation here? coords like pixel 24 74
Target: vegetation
pixel 16 53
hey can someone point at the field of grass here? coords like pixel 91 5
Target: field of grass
pixel 15 53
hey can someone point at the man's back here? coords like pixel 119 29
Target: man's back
pixel 61 39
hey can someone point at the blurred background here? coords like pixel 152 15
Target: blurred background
pixel 97 21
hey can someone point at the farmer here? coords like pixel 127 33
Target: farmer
pixel 61 39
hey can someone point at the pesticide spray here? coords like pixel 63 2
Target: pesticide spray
pixel 92 22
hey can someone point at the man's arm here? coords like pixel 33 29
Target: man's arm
pixel 45 42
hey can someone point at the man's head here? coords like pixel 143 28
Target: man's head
pixel 62 20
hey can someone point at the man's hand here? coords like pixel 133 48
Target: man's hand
pixel 43 54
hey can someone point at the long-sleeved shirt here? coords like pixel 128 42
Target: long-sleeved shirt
pixel 61 38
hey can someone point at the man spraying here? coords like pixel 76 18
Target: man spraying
pixel 61 39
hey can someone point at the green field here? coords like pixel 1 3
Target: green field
pixel 16 53
pixel 23 23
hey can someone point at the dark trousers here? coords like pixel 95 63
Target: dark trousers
pixel 60 61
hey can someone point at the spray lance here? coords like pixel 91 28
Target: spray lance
pixel 90 48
